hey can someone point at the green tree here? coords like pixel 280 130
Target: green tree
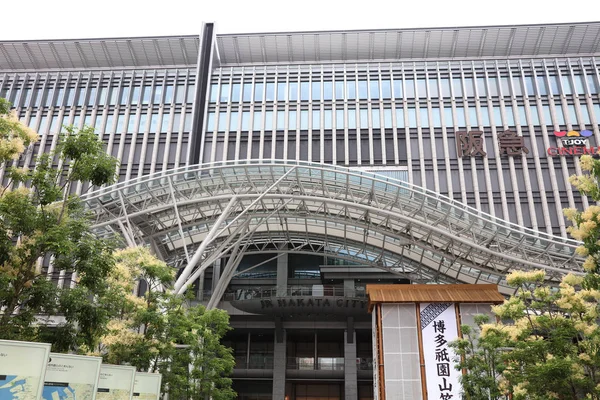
pixel 161 332
pixel 548 346
pixel 42 225
pixel 481 359
pixel 547 343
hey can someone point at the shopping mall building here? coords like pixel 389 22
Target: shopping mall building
pixel 282 172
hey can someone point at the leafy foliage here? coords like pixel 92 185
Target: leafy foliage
pixel 14 136
pixel 547 343
pixel 162 332
pixel 43 226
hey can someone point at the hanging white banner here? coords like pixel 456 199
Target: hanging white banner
pixel 147 386
pixel 115 382
pixel 70 377
pixel 22 369
pixel 438 328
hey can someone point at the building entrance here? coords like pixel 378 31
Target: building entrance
pixel 314 391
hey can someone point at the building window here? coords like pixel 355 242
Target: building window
pixel 327 90
pixel 292 116
pixel 257 123
pixel 247 92
pixel 375 118
pixel 387 118
pixel 339 119
pixel 245 120
pixel 224 98
pixel 158 92
pixel 362 90
pixel 281 91
pixel 352 118
pixel 270 91
pixel 339 90
pixel 210 122
pixel 424 117
pixel 316 119
pixel 412 118
pixel 268 120
pixel 304 89
pixel 485 116
pixel 316 91
pixel 304 120
pixel 258 92
pixel 280 120
pixel 235 92
pixel 351 90
pixel 327 119
pixel 397 88
pixel 374 89
pixel 399 117
pixel 560 117
pixel 294 91
pixel 214 93
pixel 409 85
pixel 222 122
pixel 364 119
pixel 433 88
pixel 169 94
pixel 233 121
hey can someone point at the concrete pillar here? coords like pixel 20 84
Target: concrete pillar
pixel 279 365
pixel 349 287
pixel 350 367
pixel 282 274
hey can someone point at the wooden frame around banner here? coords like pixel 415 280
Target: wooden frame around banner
pixel 380 358
pixel 421 355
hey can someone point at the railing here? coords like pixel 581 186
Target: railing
pixel 291 291
pixel 301 363
pixel 256 361
pixel 322 364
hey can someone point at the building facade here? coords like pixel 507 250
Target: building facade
pixel 488 122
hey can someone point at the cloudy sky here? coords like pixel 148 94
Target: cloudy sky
pixel 63 19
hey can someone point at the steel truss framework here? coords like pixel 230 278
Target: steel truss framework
pixel 193 216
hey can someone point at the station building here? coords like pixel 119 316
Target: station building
pixel 281 173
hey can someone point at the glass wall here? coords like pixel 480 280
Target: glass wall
pixel 143 116
pixel 408 115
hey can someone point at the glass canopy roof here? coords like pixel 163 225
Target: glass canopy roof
pixel 193 216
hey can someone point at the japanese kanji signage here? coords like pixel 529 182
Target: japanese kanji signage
pixel 438 329
pixel 469 144
pixel 511 144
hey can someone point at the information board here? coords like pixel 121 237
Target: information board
pixel 115 382
pixel 71 377
pixel 147 386
pixel 22 369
